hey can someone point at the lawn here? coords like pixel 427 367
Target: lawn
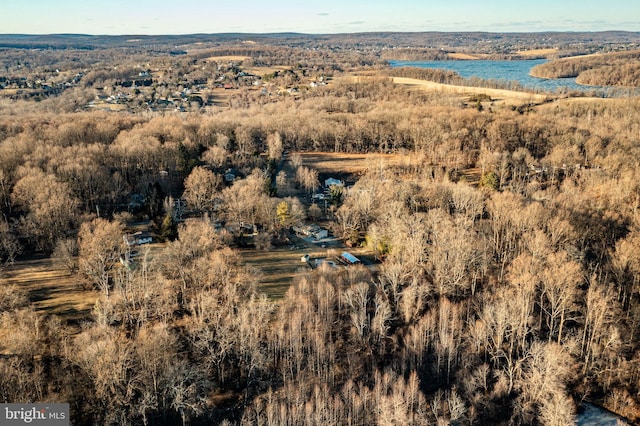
pixel 277 268
pixel 339 163
pixel 51 288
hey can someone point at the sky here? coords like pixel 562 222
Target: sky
pixel 118 17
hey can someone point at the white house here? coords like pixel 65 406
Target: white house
pixel 140 237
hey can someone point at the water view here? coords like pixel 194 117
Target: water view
pixel 517 70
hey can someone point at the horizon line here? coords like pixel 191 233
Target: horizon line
pixel 272 33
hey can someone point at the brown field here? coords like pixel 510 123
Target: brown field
pixel 51 289
pixel 229 58
pixel 262 71
pixel 348 163
pixel 463 56
pixel 105 106
pixel 499 96
pixel 221 97
pixel 537 52
pixel 279 267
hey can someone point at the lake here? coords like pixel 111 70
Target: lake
pixel 517 70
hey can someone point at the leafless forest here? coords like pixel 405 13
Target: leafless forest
pixel 504 285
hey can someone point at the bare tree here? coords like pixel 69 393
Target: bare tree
pixel 560 280
pixel 216 156
pixel 546 371
pixel 9 245
pixel 100 245
pixel 200 188
pixel 106 357
pixel 66 253
pixel 51 209
pixel 453 258
pixel 308 178
pixel 274 146
pixel 296 160
pixel 245 201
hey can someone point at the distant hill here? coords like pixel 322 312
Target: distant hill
pixel 479 42
pixel 608 69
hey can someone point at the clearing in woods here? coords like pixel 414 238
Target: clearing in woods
pixel 51 289
pixel 349 163
pixel 278 268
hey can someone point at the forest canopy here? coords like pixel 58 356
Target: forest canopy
pixel 499 237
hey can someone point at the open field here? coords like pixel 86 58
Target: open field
pixel 229 58
pixel 50 288
pixel 278 268
pixel 348 163
pixel 262 71
pixel 221 97
pixel 464 56
pixel 537 52
pixel 499 96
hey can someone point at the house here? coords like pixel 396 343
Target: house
pixel 332 181
pixel 320 234
pixel 230 175
pixel 143 237
pixel 138 238
pixel 314 230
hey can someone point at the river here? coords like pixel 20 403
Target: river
pixel 504 71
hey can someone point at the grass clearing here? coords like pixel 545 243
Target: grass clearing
pixel 537 52
pixel 262 71
pixel 221 97
pixel 51 289
pixel 499 96
pixel 228 58
pixel 348 163
pixel 278 267
pixel 463 56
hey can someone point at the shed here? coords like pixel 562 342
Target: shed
pixel 349 258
